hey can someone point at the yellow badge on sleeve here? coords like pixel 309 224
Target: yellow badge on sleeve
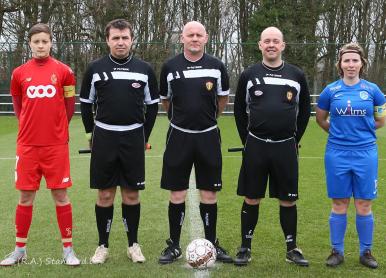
pixel 69 91
pixel 380 111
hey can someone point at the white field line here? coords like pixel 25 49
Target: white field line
pixel 196 228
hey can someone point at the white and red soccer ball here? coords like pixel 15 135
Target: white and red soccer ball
pixel 201 253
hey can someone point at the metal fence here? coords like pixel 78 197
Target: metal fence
pixel 6 107
pixel 236 57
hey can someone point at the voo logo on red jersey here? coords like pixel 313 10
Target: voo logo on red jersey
pixel 41 91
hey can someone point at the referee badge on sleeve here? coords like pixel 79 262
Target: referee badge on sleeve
pixel 209 85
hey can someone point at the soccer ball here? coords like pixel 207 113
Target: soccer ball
pixel 201 253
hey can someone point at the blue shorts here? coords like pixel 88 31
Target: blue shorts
pixel 351 173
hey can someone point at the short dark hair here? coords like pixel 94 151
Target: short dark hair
pixel 352 48
pixel 39 28
pixel 120 24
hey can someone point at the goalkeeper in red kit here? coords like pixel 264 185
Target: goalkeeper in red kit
pixel 43 95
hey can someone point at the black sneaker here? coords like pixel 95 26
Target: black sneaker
pixel 171 253
pixel 368 260
pixel 222 254
pixel 334 259
pixel 296 256
pixel 243 257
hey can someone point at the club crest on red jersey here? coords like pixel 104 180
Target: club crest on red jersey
pixel 209 85
pixel 54 78
pixel 28 79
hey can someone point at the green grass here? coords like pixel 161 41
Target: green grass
pixel 268 247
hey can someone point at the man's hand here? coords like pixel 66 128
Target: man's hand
pixel 147 146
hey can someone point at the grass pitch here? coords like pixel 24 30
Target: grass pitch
pixel 268 247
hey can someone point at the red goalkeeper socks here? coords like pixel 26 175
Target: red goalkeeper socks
pixel 23 221
pixel 64 217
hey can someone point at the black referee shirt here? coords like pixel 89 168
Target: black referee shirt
pixel 119 90
pixel 192 89
pixel 272 103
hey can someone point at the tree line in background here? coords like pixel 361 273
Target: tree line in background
pixel 313 29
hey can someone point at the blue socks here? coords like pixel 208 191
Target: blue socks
pixel 365 228
pixel 338 224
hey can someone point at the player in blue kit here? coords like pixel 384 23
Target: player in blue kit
pixel 356 108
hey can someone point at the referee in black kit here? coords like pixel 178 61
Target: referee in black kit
pixel 272 109
pixel 194 91
pixel 124 91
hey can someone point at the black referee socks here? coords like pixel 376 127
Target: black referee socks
pixel 249 218
pixel 104 219
pixel 130 219
pixel 176 214
pixel 208 214
pixel 288 221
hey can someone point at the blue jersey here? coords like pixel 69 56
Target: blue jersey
pixel 352 110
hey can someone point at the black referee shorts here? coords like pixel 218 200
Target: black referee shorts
pixel 118 159
pixel 277 162
pixel 183 150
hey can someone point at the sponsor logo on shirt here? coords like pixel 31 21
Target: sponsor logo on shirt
pixel 332 89
pixel 364 86
pixel 136 85
pixel 194 67
pixel 338 95
pixel 209 85
pixel 273 75
pixel 41 91
pixel 364 95
pixel 350 111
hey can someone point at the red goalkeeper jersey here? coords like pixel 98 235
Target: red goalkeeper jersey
pixel 43 85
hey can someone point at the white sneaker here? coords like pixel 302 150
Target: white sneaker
pixel 17 256
pixel 69 256
pixel 100 256
pixel 135 254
